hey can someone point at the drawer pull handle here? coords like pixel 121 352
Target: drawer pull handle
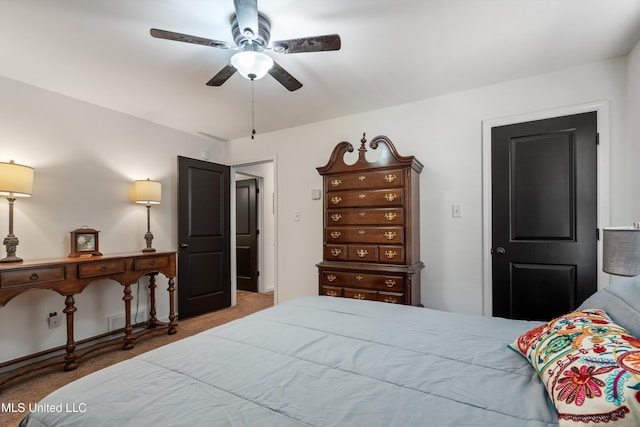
pixel 359 278
pixel 362 177
pixel 336 200
pixel 390 178
pixel 390 235
pixel 332 293
pixel 362 253
pixel 362 196
pixel 34 276
pixel 336 251
pixel 336 182
pixel 331 277
pixel 390 283
pixel 361 232
pixel 362 214
pixel 391 300
pixel 390 216
pixel 335 234
pixel 336 217
pixel 390 197
pixel 359 296
pixel 103 268
pixel 390 254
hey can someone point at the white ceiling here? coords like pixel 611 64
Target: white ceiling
pixel 393 52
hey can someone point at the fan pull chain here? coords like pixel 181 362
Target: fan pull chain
pixel 253 102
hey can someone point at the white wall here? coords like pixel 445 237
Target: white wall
pixel 444 133
pixel 85 159
pixel 634 131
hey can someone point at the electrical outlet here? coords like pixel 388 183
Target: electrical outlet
pixel 54 320
pixel 117 321
pixel 456 210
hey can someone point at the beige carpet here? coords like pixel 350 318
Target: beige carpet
pixel 32 388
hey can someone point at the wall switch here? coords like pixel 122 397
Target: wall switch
pixel 296 216
pixel 54 320
pixel 316 194
pixel 456 210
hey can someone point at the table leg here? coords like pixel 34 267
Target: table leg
pixel 128 328
pixel 172 309
pixel 153 320
pixel 70 362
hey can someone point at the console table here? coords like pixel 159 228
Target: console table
pixel 69 276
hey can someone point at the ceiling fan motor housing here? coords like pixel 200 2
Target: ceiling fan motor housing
pixel 259 41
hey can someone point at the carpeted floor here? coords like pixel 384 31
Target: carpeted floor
pixel 32 388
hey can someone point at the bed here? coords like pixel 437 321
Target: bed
pixel 323 361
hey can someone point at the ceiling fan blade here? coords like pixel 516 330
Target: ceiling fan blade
pixel 179 37
pixel 308 44
pixel 222 76
pixel 247 14
pixel 284 78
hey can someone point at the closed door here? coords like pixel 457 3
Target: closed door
pixel 204 244
pixel 247 235
pixel 544 216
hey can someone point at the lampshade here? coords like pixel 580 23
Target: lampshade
pixel 148 192
pixel 15 180
pixel 621 250
pixel 252 65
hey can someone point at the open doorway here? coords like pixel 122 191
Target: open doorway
pixel 263 174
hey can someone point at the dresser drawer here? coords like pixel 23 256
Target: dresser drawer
pixel 380 179
pixel 365 253
pixel 391 254
pixel 335 252
pixel 331 291
pixel 377 216
pixel 96 269
pixel 360 294
pixel 391 298
pixel 31 276
pixel 365 198
pixel 384 235
pixel 361 280
pixel 150 263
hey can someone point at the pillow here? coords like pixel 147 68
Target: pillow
pixel 590 367
pixel 621 301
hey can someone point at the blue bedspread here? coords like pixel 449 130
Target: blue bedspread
pixel 319 361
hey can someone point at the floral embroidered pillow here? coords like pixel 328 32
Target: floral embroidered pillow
pixel 590 367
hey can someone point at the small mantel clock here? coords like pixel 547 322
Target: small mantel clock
pixel 84 242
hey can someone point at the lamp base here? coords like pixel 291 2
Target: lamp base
pixel 11 242
pixel 148 237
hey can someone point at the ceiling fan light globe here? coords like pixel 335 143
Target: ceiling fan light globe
pixel 252 65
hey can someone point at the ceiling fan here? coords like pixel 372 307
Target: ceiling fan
pixel 251 31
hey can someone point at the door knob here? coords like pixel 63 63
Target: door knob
pixel 184 245
pixel 498 251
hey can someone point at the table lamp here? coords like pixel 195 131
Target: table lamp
pixel 15 181
pixel 621 250
pixel 149 193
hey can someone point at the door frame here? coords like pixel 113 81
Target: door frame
pixel 259 182
pixel 603 166
pixel 237 168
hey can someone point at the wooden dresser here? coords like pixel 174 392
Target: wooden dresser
pixel 371 225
